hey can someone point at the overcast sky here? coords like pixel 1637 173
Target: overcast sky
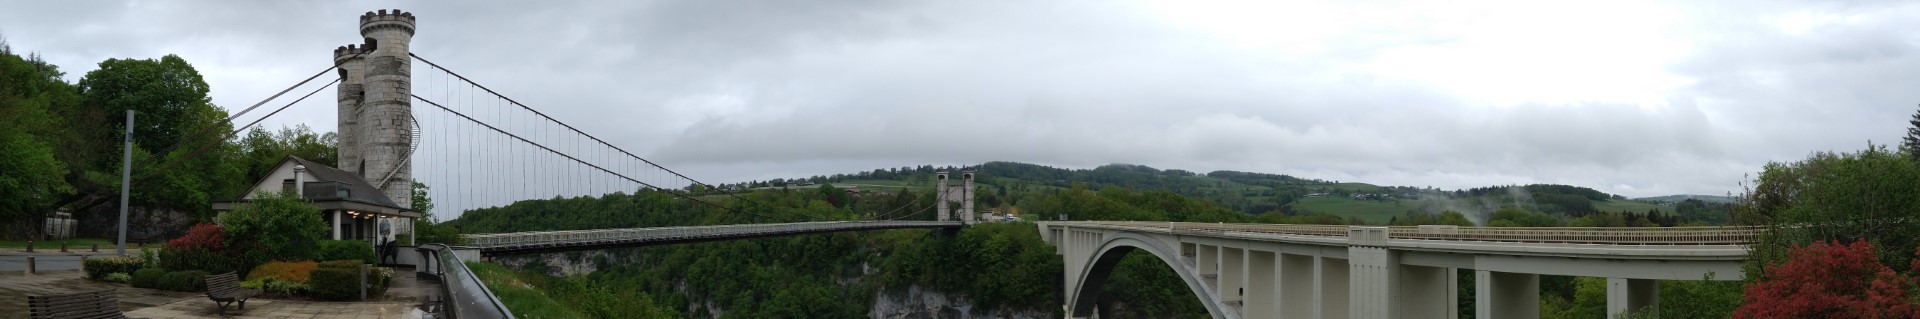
pixel 1629 97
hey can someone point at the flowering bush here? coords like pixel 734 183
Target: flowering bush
pixel 201 236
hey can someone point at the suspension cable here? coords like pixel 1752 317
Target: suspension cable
pixel 578 160
pixel 576 130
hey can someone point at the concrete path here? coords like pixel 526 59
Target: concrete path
pixel 15 287
pixel 17 262
pixel 266 308
pixel 404 299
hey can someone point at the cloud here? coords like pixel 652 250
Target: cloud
pixel 1639 98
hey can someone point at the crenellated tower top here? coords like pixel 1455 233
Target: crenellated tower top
pixel 376 20
pixel 348 52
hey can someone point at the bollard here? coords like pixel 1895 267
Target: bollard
pixel 363 281
pixel 29 246
pixel 96 247
pixel 29 265
pixel 63 246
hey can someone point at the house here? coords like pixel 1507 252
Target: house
pixel 352 208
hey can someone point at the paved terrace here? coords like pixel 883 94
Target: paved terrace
pixel 409 297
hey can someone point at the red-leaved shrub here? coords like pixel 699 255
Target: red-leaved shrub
pixel 201 236
pixel 1828 280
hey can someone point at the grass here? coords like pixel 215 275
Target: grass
pixel 72 243
pixel 522 299
pixel 1374 212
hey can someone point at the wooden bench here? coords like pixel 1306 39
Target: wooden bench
pixel 91 304
pixel 225 289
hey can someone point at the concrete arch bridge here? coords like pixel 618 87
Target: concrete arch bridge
pixel 1314 271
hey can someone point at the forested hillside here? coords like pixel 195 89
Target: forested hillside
pixel 1010 186
pixel 60 145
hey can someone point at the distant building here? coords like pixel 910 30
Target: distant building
pixel 351 208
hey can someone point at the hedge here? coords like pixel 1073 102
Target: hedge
pixel 342 264
pixel 335 283
pixel 98 268
pixel 290 271
pixel 148 278
pixel 346 249
pixel 185 280
pixel 339 283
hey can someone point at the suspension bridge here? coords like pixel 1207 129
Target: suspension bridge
pixel 481 148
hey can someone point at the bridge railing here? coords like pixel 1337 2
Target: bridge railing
pixel 467 297
pixel 598 236
pixel 1719 235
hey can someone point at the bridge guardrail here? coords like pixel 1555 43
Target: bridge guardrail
pixel 1710 235
pixel 467 297
pixel 538 239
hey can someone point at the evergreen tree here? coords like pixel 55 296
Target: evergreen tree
pixel 1912 142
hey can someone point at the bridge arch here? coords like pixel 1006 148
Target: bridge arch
pixel 1093 275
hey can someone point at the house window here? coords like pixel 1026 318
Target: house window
pixel 286 186
pixel 341 192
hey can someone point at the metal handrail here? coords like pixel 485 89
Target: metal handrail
pixel 467 297
pixel 1708 235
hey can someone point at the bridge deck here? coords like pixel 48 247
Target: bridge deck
pixel 1690 236
pixel 528 242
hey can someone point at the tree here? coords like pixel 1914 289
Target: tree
pixel 1870 195
pixel 273 226
pixel 1829 280
pixel 262 150
pixel 31 93
pixel 173 109
pixel 1911 143
pixel 428 229
pixel 165 92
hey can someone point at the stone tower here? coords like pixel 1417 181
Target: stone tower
pixel 376 104
pixel 947 194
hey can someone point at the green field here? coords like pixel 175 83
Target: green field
pixel 1374 212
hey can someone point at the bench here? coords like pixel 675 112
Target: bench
pixel 91 304
pixel 225 289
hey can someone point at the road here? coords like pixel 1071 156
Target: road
pixel 17 262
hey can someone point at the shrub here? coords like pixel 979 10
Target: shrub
pixel 201 248
pixel 149 258
pixel 119 277
pixel 273 227
pixel 346 249
pixel 380 278
pixel 98 268
pixel 292 271
pixel 254 284
pixel 343 264
pixel 335 283
pixel 342 283
pixel 184 280
pixel 148 277
pixel 202 235
pixel 196 259
pixel 284 288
